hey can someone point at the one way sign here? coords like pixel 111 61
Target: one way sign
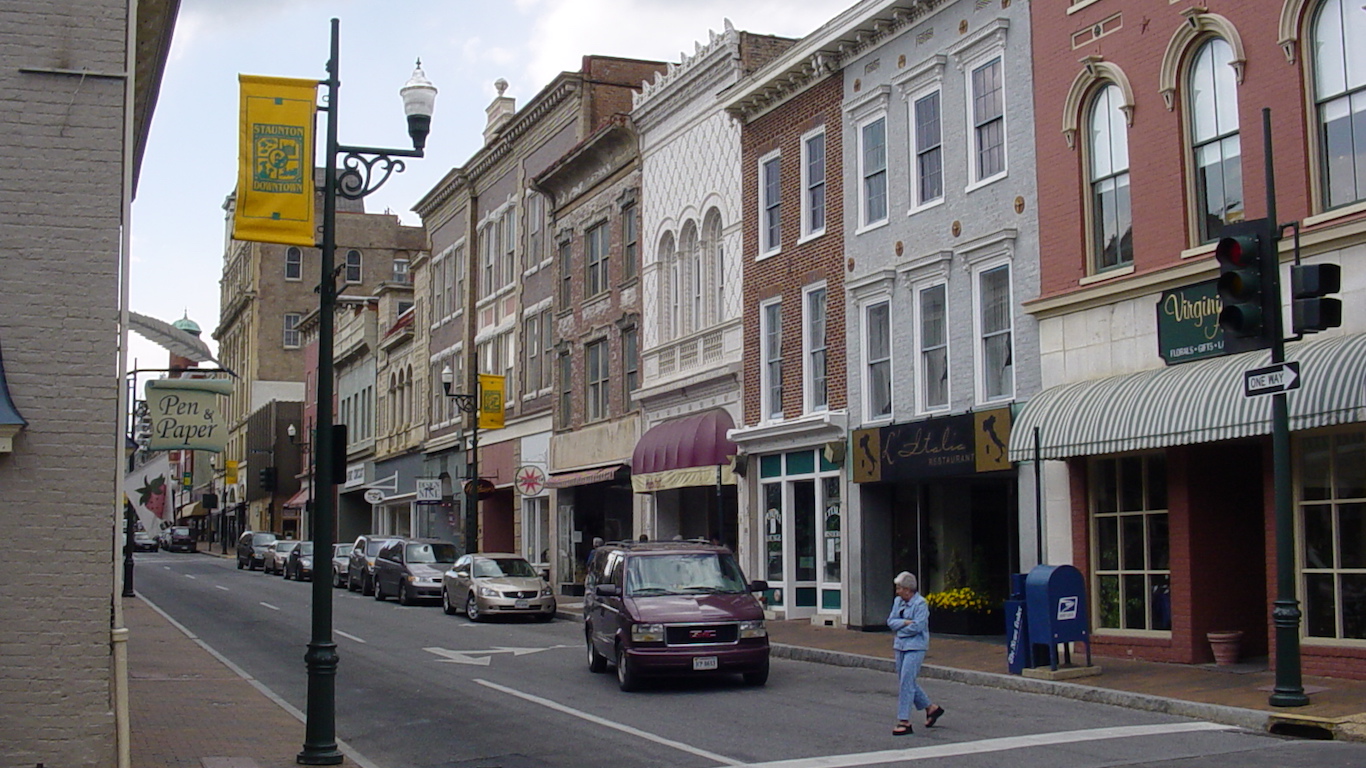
pixel 1282 377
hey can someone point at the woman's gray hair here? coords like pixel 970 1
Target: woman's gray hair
pixel 906 580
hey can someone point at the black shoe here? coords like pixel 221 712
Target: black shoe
pixel 902 729
pixel 933 717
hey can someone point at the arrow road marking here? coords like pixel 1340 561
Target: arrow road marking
pixel 482 658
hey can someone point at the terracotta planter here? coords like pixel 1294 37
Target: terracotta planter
pixel 967 622
pixel 1226 644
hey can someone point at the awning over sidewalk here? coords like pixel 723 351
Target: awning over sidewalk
pixel 583 477
pixel 1197 402
pixel 684 452
pixel 193 509
pixel 300 499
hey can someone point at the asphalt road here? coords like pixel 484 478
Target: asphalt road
pixel 419 689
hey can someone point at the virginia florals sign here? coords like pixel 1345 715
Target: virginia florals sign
pixel 1188 323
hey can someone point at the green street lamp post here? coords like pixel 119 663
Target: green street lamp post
pixel 468 404
pixel 365 169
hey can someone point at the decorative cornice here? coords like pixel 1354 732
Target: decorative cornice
pixel 1198 24
pixel 687 66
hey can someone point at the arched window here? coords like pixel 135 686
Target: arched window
pixel 393 402
pixel 408 414
pixel 1340 100
pixel 668 299
pixel 1108 173
pixel 690 258
pixel 714 261
pixel 1215 146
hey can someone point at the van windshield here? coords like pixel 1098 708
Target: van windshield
pixel 430 553
pixel 262 539
pixel 684 574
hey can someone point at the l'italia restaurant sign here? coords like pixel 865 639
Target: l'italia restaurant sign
pixel 951 445
pixel 1188 323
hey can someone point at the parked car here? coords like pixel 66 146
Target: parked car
pixel 496 583
pixel 179 538
pixel 410 569
pixel 341 554
pixel 144 542
pixel 360 567
pixel 274 560
pixel 251 549
pixel 299 562
pixel 672 608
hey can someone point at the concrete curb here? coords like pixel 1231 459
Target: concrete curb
pixel 1236 716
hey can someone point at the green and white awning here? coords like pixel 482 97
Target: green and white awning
pixel 1198 402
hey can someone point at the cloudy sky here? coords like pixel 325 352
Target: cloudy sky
pixel 465 45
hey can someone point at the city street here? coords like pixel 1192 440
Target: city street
pixel 418 688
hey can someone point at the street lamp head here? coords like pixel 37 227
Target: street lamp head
pixel 293 433
pixel 419 99
pixel 447 378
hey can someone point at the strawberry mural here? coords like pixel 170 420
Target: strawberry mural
pixel 153 495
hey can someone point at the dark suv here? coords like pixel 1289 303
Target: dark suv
pixel 180 539
pixel 672 608
pixel 411 569
pixel 360 565
pixel 251 549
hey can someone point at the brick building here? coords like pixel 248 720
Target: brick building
pixel 1158 480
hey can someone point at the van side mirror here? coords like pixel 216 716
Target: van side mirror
pixel 758 586
pixel 607 589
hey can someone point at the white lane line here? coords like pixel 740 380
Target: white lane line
pixel 937 752
pixel 268 605
pixel 188 576
pixel 220 586
pixel 348 637
pixel 722 759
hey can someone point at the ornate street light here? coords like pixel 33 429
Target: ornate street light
pixel 468 404
pixel 365 170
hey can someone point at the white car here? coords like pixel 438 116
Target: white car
pixel 276 556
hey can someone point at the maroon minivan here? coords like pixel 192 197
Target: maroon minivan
pixel 672 608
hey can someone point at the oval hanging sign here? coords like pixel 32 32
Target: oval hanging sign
pixel 374 496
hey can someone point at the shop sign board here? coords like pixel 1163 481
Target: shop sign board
pixel 1188 323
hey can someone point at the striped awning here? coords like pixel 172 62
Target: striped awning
pixel 583 477
pixel 1198 402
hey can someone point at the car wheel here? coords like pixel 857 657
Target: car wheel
pixel 627 679
pixel 472 608
pixel 350 583
pixel 446 603
pixel 239 564
pixel 596 661
pixel 336 579
pixel 757 677
pixel 379 591
pixel 285 574
pixel 367 584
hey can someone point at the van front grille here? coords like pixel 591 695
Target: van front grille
pixel 701 634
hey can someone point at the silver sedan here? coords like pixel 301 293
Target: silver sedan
pixel 496 583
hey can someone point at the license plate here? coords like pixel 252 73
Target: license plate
pixel 521 604
pixel 704 662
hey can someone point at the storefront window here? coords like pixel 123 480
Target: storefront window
pixel 1130 545
pixel 831 528
pixel 773 530
pixel 1333 535
pixel 804 519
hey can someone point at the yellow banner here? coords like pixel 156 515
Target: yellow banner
pixel 275 161
pixel 490 401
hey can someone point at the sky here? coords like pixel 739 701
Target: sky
pixel 190 165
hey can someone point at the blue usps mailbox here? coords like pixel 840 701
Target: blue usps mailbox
pixel 1055 605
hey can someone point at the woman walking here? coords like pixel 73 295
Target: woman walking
pixel 910 624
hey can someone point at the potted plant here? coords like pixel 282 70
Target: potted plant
pixel 964 611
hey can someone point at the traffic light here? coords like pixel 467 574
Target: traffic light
pixel 1309 285
pixel 266 478
pixel 1247 285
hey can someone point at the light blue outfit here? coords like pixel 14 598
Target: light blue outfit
pixel 910 621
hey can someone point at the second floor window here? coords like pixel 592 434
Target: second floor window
pixel 988 121
pixel 771 337
pixel 770 225
pixel 353 267
pixel 816 385
pixel 1108 158
pixel 595 374
pixel 878 379
pixel 630 362
pixel 294 263
pixel 1340 100
pixel 566 390
pixel 934 348
pixel 929 150
pixel 993 297
pixel 595 258
pixel 531 343
pixel 813 184
pixel 566 275
pixel 401 271
pixel 1214 140
pixel 873 160
pixel 630 242
pixel 535 227
pixel 291 339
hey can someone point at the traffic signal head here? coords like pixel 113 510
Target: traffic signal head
pixel 1247 283
pixel 266 478
pixel 1309 285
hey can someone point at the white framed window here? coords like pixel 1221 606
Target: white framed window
pixel 354 274
pixel 630 363
pixel 1130 545
pixel 595 260
pixel 531 344
pixel 291 324
pixel 813 183
pixel 770 205
pixel 1332 516
pixel 995 354
pixel 1340 101
pixel 596 379
pixel 690 272
pixel 986 111
pixel 488 235
pixel 535 228
pixel 294 263
pixel 927 148
pixel 536 529
pixel 566 383
pixel 815 369
pixel 714 261
pixel 456 269
pixel 630 241
pixel 566 274
pixel 771 357
pixel 437 289
pixel 877 356
pixel 933 346
pixel 400 272
pixel 507 227
pixel 1108 168
pixel 1215 141
pixel 873 172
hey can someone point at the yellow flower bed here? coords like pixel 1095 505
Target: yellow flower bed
pixel 961 599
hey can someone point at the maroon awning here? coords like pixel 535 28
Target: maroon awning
pixel 300 499
pixel 697 440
